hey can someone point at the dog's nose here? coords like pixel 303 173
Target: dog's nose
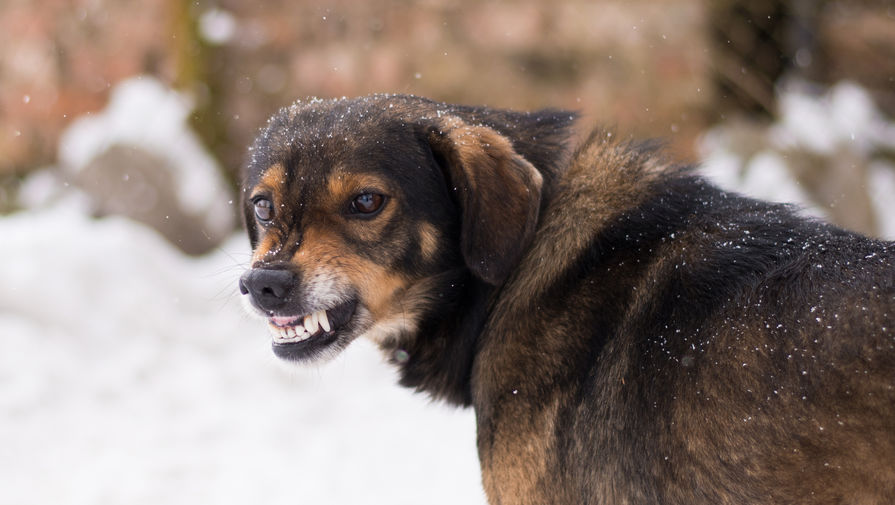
pixel 268 287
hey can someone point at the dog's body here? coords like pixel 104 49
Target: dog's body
pixel 626 332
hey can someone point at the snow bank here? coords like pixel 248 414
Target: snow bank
pixel 129 374
pixel 837 130
pixel 143 113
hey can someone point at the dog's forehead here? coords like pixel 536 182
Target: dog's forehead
pixel 308 140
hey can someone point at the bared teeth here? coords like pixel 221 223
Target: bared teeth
pixel 301 330
pixel 311 323
pixel 289 335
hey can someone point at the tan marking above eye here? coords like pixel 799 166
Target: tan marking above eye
pixel 344 187
pixel 272 181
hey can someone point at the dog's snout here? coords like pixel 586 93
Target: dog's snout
pixel 269 288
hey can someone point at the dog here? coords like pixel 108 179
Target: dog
pixel 626 332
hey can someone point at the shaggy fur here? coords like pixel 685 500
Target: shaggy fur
pixel 626 332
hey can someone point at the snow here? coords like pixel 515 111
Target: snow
pixel 765 175
pixel 144 113
pixel 881 186
pixel 218 26
pixel 841 122
pixel 131 374
pixel 844 115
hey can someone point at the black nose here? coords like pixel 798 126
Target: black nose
pixel 269 288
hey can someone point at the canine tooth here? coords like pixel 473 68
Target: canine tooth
pixel 323 320
pixel 311 323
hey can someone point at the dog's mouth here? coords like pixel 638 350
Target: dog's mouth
pixel 317 328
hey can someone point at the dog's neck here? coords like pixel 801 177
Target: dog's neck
pixel 436 354
pixel 439 357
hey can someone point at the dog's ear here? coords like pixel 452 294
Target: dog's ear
pixel 498 192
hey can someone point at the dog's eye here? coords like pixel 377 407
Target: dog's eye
pixel 367 203
pixel 263 210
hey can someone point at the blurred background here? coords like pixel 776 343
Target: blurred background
pixel 129 373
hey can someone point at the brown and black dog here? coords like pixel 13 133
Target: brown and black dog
pixel 626 332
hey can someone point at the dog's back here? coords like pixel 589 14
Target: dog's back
pixel 687 345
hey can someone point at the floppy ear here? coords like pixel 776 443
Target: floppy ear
pixel 498 191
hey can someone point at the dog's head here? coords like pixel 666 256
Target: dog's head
pixel 356 208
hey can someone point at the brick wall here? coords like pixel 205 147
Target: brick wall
pixel 641 65
pixel 631 63
pixel 58 59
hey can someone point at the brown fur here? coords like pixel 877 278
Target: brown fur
pixel 626 332
pixel 491 178
pixel 429 238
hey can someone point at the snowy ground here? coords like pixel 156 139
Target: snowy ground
pixel 129 374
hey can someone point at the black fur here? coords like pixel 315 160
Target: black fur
pixel 654 339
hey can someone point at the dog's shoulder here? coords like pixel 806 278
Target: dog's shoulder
pixel 633 245
pixel 623 203
pixel 651 300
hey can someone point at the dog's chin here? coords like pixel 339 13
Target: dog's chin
pixel 297 339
